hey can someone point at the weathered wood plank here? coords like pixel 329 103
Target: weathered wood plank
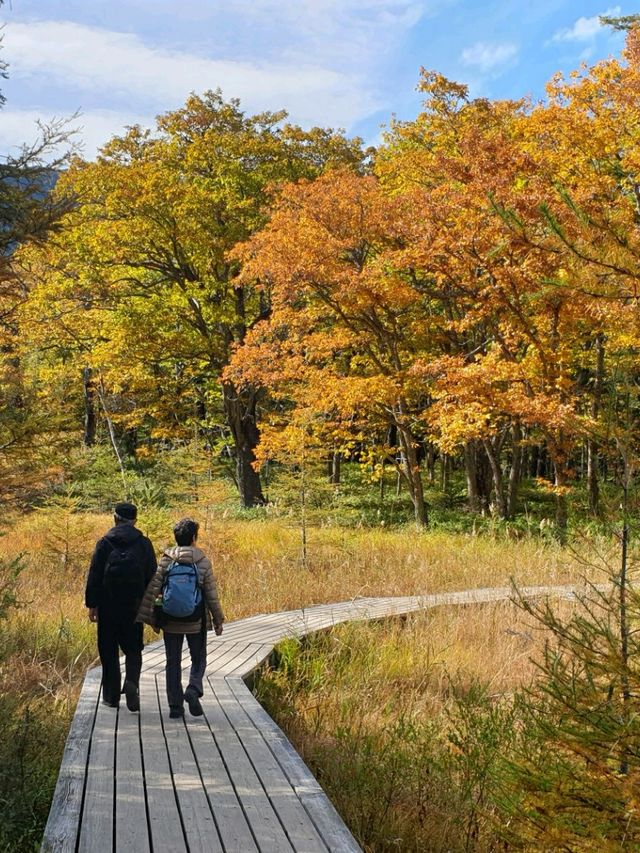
pixel 302 834
pixel 132 830
pixel 96 829
pixel 61 831
pixel 165 821
pixel 243 660
pixel 319 807
pixel 263 820
pixel 200 828
pixel 254 658
pixel 233 827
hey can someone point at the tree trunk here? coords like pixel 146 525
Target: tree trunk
pixel 514 473
pixel 562 512
pixel 493 454
pixel 430 459
pixel 411 472
pixel 471 469
pixel 592 446
pixel 333 468
pixel 444 472
pixel 417 494
pixel 90 416
pixel 593 488
pixel 240 411
pixel 484 477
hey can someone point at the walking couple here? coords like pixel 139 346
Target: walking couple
pixel 126 588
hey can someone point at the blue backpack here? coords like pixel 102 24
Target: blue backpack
pixel 181 593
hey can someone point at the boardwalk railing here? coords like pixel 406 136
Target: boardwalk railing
pixel 227 781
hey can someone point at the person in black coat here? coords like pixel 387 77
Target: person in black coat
pixel 122 565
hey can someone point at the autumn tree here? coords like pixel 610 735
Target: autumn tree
pixel 344 328
pixel 527 251
pixel 482 336
pixel 140 281
pixel 584 184
pixel 28 213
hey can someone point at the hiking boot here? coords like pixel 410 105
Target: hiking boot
pixel 193 701
pixel 132 696
pixel 176 713
pixel 110 704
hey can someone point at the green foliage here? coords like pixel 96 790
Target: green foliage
pixel 621 22
pixel 41 661
pixel 577 786
pixel 9 573
pixel 31 743
pixel 403 779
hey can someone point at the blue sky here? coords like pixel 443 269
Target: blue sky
pixel 342 63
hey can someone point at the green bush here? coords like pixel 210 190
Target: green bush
pixel 401 779
pixel 32 737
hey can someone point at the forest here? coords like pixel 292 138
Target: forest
pixel 463 296
pixel 377 370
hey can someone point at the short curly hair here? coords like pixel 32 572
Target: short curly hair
pixel 185 531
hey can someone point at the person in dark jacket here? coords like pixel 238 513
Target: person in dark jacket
pixel 122 565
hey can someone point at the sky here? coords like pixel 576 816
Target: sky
pixel 339 63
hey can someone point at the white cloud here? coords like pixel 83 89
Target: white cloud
pixel 121 65
pixel 95 127
pixel 324 61
pixel 488 57
pixel 346 32
pixel 584 29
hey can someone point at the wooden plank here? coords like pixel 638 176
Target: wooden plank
pixel 151 660
pixel 154 659
pixel 246 665
pixel 223 659
pixel 233 827
pixel 260 815
pixel 319 807
pixel 230 652
pixel 299 828
pixel 96 828
pixel 165 821
pixel 214 654
pixel 244 659
pixel 61 831
pixel 132 830
pixel 200 827
pixel 242 646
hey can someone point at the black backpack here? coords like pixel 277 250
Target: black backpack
pixel 124 574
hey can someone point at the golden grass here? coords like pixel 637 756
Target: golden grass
pixel 411 663
pixel 259 568
pixel 48 643
pixel 402 719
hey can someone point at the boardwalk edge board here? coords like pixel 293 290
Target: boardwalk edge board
pixel 234 658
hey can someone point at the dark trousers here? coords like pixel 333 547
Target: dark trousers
pixel 198 651
pixel 117 629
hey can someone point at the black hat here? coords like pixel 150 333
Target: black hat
pixel 126 511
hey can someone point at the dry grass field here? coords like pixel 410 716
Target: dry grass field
pixel 46 642
pixel 406 721
pixel 259 567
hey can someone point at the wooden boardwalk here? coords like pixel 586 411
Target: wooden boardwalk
pixel 227 781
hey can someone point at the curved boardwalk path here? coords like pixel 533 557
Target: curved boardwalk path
pixel 227 781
